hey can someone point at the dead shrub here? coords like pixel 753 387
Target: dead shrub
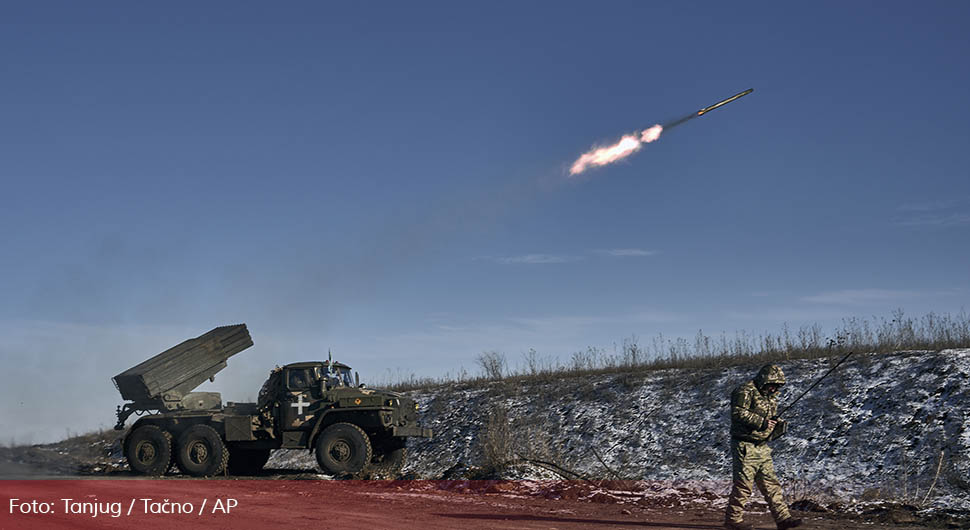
pixel 496 440
pixel 492 364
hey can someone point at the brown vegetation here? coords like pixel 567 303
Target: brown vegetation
pixel 877 335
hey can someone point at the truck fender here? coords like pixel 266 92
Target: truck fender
pixel 324 419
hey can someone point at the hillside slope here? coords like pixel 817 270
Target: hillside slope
pixel 876 428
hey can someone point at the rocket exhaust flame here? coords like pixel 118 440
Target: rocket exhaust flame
pixel 631 143
pixel 627 145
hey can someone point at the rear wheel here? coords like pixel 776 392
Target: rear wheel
pixel 343 449
pixel 201 452
pixel 149 450
pixel 244 461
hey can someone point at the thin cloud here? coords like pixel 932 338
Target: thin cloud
pixel 547 332
pixel 769 294
pixel 932 206
pixel 787 314
pixel 940 220
pixel 533 259
pixel 870 296
pixel 626 252
pixel 542 259
pixel 937 213
pixel 553 323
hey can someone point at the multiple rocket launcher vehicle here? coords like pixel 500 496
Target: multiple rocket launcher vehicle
pixel 319 406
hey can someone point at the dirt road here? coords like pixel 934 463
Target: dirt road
pixel 405 505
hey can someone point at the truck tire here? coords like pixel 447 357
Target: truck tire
pixel 201 452
pixel 244 461
pixel 149 450
pixel 343 449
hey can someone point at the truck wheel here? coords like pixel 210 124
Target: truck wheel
pixel 243 461
pixel 149 450
pixel 343 449
pixel 201 452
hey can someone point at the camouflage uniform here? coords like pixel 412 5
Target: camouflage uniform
pixel 751 408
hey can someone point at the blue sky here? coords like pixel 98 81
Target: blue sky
pixel 388 180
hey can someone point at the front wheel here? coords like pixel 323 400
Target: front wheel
pixel 201 452
pixel 149 450
pixel 343 449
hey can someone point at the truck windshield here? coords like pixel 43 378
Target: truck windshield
pixel 340 377
pixel 346 377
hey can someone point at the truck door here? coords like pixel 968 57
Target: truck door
pixel 298 384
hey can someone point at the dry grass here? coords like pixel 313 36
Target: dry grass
pixel 496 440
pixel 879 335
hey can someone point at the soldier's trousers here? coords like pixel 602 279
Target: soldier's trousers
pixel 751 464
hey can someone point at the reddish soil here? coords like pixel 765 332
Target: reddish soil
pixel 424 505
pixel 89 467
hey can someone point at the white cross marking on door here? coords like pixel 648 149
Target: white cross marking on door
pixel 300 405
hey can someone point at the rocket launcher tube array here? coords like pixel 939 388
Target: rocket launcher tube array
pixel 170 375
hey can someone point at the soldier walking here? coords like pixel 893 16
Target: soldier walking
pixel 753 409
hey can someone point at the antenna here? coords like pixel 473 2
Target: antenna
pixel 817 381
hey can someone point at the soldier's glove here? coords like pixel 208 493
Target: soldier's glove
pixel 781 427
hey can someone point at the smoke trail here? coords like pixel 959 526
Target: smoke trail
pixel 627 145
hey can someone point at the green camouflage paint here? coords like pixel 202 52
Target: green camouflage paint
pixel 751 408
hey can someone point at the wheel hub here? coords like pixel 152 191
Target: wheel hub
pixel 145 452
pixel 199 453
pixel 340 451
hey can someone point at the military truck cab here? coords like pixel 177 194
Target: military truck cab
pixel 319 406
pixel 302 390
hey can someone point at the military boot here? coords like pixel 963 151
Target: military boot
pixel 791 522
pixel 737 525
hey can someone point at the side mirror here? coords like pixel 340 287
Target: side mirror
pixel 357 379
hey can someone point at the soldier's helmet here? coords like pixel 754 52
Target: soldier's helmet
pixel 770 374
